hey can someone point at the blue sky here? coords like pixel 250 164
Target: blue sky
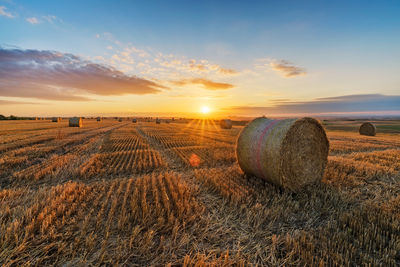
pixel 338 48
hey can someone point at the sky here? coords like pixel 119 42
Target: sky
pixel 172 58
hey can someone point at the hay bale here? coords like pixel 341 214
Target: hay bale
pixel 226 124
pixel 289 153
pixel 75 122
pixel 56 119
pixel 367 128
pixel 134 120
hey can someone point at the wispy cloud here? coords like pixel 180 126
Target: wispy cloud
pixel 151 62
pixel 204 66
pixel 338 104
pixel 207 84
pixel 5 13
pixel 33 20
pixel 227 71
pixel 287 69
pixel 59 76
pixel 10 102
pixel 52 19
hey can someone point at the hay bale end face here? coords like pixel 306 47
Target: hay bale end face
pixel 289 153
pixel 226 124
pixel 75 122
pixel 368 129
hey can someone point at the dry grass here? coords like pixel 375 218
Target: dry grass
pixel 115 193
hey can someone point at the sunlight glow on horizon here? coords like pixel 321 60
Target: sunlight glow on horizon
pixel 205 110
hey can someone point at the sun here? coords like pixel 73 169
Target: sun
pixel 205 109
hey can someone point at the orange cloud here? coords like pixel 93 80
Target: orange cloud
pixel 287 69
pixel 9 102
pixel 58 76
pixel 227 71
pixel 205 66
pixel 207 84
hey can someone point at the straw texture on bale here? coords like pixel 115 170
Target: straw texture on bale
pixel 226 124
pixel 56 119
pixel 367 128
pixel 289 153
pixel 75 122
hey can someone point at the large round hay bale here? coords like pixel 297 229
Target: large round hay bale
pixel 289 153
pixel 367 128
pixel 75 122
pixel 226 124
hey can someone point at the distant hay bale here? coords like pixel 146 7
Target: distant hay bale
pixel 58 119
pixel 367 128
pixel 158 121
pixel 99 119
pixel 289 153
pixel 75 122
pixel 226 124
pixel 120 120
pixel 134 120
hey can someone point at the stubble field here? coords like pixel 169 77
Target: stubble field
pixel 137 194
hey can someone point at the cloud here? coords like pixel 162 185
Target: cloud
pixel 227 71
pixel 58 76
pixel 204 66
pixel 207 84
pixel 9 102
pixel 51 19
pixel 4 13
pixel 287 69
pixel 33 20
pixel 338 104
pixel 197 67
pixel 148 61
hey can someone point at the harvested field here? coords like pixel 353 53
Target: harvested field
pixel 140 194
